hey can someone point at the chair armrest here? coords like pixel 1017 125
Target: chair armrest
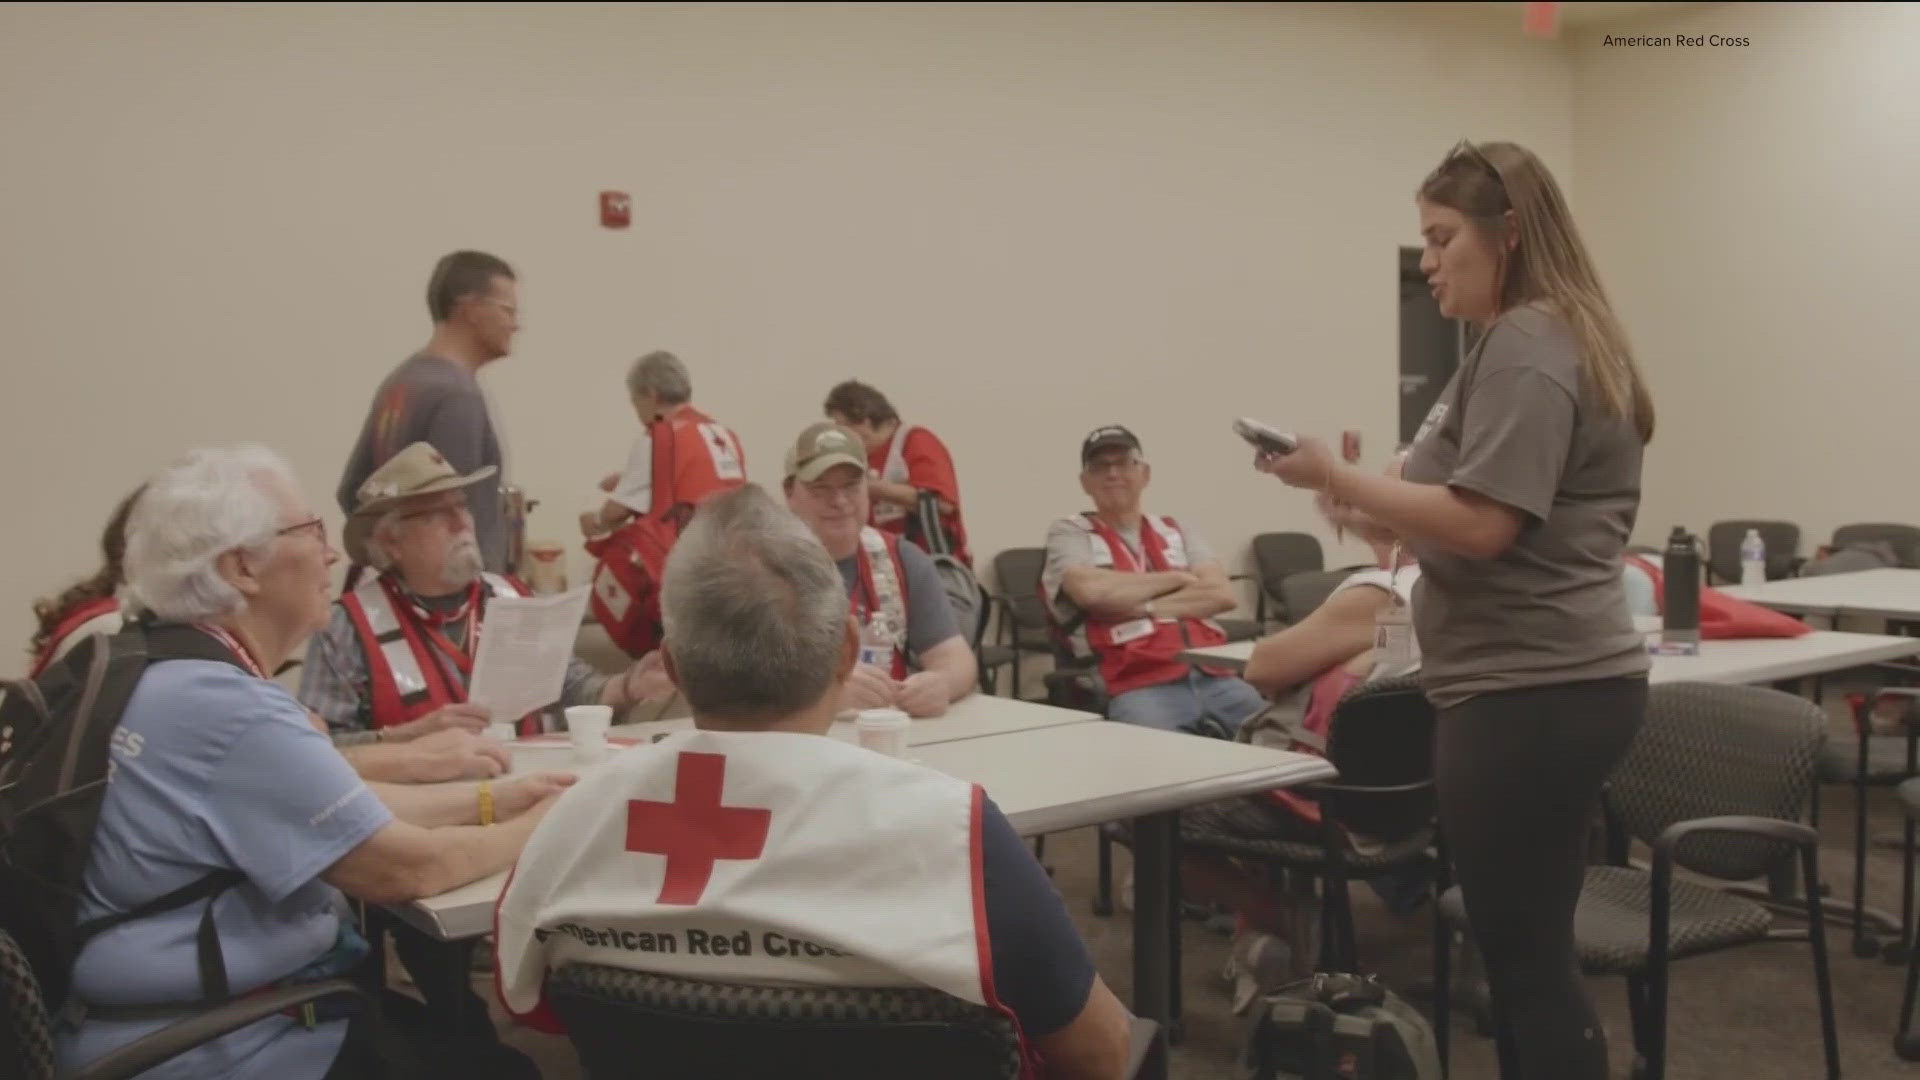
pixel 1788 832
pixel 1661 885
pixel 171 1041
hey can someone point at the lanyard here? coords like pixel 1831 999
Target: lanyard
pixel 234 646
pixel 1393 576
pixel 431 622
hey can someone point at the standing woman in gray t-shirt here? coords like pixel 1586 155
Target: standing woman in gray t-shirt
pixel 1518 496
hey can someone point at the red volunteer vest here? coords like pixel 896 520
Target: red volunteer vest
pixel 890 464
pixel 69 622
pixel 881 550
pixel 406 675
pixel 1145 652
pixel 693 460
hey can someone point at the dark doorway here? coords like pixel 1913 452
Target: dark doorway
pixel 1431 346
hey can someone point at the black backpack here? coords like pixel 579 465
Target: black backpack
pixel 1338 1027
pixel 55 731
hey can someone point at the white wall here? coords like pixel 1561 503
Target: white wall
pixel 1755 213
pixel 1019 221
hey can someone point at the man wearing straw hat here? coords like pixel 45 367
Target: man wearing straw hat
pixel 389 674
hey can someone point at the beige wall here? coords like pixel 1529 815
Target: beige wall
pixel 1019 221
pixel 1755 213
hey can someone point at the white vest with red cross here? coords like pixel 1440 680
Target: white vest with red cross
pixel 408 653
pixel 883 588
pixel 1143 651
pixel 724 856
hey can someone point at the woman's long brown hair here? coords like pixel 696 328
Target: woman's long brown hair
pixel 1548 264
pixel 103 583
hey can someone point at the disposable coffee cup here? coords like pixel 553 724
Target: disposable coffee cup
pixel 884 731
pixel 587 730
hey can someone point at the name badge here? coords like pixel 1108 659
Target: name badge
pixel 1393 640
pixel 1131 631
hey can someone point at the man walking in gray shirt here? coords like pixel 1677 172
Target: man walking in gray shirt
pixel 434 397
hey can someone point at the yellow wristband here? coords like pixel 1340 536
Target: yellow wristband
pixel 486 802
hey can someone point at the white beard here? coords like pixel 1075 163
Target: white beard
pixel 463 562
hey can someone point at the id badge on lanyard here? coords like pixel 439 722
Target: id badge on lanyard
pixel 1393 627
pixel 1393 638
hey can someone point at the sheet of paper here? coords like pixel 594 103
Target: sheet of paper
pixel 525 643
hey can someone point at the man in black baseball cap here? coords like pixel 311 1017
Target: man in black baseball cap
pixel 1136 590
pixel 1102 438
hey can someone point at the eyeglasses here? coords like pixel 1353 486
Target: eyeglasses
pixel 1111 465
pixel 318 526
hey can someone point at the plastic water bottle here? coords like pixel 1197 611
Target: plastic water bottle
pixel 1753 559
pixel 1680 602
pixel 876 642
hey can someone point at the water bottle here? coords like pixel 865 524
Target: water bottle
pixel 1753 559
pixel 876 642
pixel 1681 600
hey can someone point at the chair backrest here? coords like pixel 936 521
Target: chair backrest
pixel 26 1035
pixel 1301 593
pixel 1723 547
pixel 1708 750
pixel 1276 555
pixel 1904 539
pixel 661 1027
pixel 1017 571
pixel 1381 735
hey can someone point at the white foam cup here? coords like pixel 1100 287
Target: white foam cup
pixel 883 731
pixel 587 730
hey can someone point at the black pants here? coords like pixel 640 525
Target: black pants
pixel 1518 775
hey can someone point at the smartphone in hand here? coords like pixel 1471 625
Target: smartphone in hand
pixel 1265 437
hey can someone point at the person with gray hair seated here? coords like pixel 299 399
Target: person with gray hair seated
pixel 220 781
pixel 681 457
pixel 810 859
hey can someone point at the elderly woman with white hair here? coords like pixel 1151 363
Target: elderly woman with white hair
pixel 218 775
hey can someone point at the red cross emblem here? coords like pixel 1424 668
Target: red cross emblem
pixel 694 831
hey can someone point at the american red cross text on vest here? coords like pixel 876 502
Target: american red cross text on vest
pixel 694 831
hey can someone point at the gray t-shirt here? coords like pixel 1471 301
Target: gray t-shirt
pixel 434 400
pixel 1070 545
pixel 1518 425
pixel 929 616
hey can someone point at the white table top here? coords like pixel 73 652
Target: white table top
pixel 1045 778
pixel 971 717
pixel 1886 593
pixel 1749 660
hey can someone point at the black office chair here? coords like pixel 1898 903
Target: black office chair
pixel 1715 784
pixel 1903 539
pixel 1381 741
pixel 645 1026
pixel 1023 615
pixel 26 1031
pixel 1276 557
pixel 1723 549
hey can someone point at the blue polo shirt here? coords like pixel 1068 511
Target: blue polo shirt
pixel 213 769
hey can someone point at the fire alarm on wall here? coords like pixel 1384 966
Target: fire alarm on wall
pixel 616 209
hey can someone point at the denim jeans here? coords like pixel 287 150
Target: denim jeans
pixel 1197 703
